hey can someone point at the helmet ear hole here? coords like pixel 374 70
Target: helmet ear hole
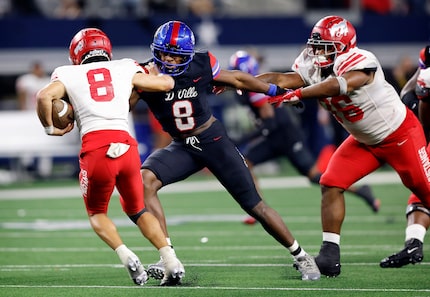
pixel 173 38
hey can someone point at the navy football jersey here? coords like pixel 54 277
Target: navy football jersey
pixel 185 107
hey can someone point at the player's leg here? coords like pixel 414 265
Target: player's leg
pixel 97 180
pixel 418 222
pixel 258 152
pixel 341 173
pixel 163 167
pixel 129 184
pixel 365 192
pixel 233 173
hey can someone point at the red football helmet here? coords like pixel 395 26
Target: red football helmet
pixel 331 36
pixel 88 43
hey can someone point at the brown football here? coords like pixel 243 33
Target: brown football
pixel 62 113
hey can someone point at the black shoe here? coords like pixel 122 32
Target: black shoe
pixel 328 259
pixel 412 253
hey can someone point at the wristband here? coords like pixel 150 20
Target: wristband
pixel 272 90
pixel 49 130
pixel 299 93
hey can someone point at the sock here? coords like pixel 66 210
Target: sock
pixel 167 254
pixel 296 251
pixel 169 242
pixel 415 231
pixel 331 237
pixel 123 253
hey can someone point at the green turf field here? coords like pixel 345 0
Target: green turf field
pixel 48 249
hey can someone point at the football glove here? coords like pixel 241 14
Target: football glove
pixel 291 96
pixel 275 90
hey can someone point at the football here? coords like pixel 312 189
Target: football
pixel 62 113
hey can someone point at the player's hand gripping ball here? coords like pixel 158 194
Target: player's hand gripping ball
pixel 62 113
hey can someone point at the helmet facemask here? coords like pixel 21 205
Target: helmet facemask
pixel 168 50
pixel 174 39
pixel 324 52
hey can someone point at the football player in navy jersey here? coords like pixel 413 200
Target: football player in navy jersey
pixel 278 135
pixel 200 141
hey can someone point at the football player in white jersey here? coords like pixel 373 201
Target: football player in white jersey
pixel 99 90
pixel 349 82
pixel 416 96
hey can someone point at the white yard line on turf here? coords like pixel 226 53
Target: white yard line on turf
pixel 189 186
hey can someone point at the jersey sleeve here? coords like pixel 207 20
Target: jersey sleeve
pixel 55 74
pixel 214 65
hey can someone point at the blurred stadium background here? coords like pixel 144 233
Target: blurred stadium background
pixel 40 30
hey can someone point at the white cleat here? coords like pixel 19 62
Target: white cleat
pixel 308 268
pixel 173 274
pixel 136 271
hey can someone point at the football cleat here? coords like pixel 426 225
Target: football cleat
pixel 411 254
pixel 307 267
pixel 156 270
pixel 173 274
pixel 328 259
pixel 136 271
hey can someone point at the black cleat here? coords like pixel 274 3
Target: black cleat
pixel 411 254
pixel 328 259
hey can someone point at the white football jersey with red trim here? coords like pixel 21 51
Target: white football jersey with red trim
pixel 369 113
pixel 99 93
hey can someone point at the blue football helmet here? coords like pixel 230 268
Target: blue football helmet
pixel 176 39
pixel 243 61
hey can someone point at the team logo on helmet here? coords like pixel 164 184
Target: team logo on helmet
pixel 79 47
pixel 339 29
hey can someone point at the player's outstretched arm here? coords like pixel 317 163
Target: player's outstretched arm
pixel 289 80
pixel 152 81
pixel 245 81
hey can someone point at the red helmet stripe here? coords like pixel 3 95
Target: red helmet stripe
pixel 175 33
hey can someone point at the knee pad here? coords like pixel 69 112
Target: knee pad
pixel 135 217
pixel 416 207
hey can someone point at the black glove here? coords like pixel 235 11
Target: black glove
pixel 280 91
